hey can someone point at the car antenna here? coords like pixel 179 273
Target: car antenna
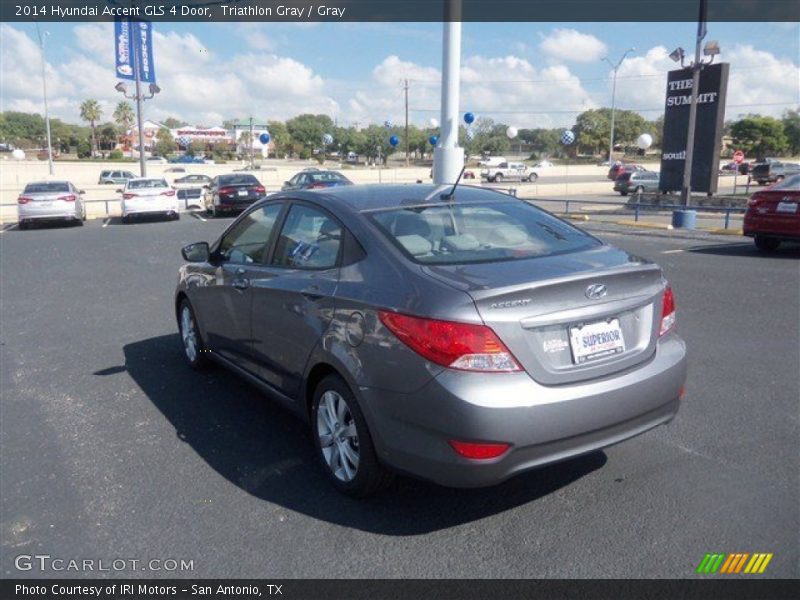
pixel 449 195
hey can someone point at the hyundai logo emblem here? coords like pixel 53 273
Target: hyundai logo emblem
pixel 596 291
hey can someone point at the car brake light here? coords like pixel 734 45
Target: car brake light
pixel 225 191
pixel 168 193
pixel 68 198
pixel 23 200
pixel 316 185
pixel 129 195
pixel 478 450
pixel 460 346
pixel 260 189
pixel 667 312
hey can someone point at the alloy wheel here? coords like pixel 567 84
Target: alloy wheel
pixel 338 437
pixel 189 334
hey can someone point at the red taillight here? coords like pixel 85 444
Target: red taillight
pixel 129 195
pixel 317 185
pixel 667 312
pixel 260 189
pixel 68 198
pixel 478 450
pixel 455 345
pixel 168 193
pixel 23 200
pixel 227 191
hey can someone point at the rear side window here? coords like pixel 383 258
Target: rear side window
pixel 790 184
pixel 46 187
pixel 310 239
pixel 473 233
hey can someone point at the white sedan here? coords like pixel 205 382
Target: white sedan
pixel 148 196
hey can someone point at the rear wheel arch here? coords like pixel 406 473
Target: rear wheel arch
pixel 317 373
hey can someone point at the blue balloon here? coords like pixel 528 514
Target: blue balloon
pixel 394 140
pixel 434 139
pixel 469 118
pixel 264 138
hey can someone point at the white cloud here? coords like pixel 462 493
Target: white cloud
pixel 573 46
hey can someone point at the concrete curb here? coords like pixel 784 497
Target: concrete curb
pixel 665 226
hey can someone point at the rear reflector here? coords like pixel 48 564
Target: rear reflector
pixel 23 200
pixel 128 195
pixel 667 312
pixel 260 189
pixel 479 451
pixel 69 198
pixel 168 193
pixel 461 346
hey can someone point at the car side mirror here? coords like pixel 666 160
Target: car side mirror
pixel 196 253
pixel 119 191
pixel 286 183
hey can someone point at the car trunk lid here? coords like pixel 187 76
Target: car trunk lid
pixel 542 310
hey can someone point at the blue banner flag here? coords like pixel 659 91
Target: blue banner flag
pixel 133 45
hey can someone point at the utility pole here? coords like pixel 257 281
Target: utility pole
pixel 252 159
pixel 44 92
pixel 405 89
pixel 614 98
pixel 697 65
pixel 448 157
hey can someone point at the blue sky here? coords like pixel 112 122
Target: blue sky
pixel 531 74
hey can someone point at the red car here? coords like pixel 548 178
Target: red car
pixel 773 214
pixel 618 169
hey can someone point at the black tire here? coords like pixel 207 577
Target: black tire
pixel 126 219
pixel 639 190
pixel 498 178
pixel 766 244
pixel 623 193
pixel 23 225
pixel 533 177
pixel 174 216
pixel 370 476
pixel 200 360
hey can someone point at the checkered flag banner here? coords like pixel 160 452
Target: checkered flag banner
pixel 567 137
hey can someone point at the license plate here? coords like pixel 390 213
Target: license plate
pixel 45 204
pixel 786 207
pixel 596 340
pixel 243 192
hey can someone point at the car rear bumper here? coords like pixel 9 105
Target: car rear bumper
pixel 779 226
pixel 27 214
pixel 143 207
pixel 543 424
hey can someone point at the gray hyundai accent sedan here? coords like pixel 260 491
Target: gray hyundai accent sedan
pixel 461 338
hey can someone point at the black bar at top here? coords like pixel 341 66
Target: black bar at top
pixel 406 10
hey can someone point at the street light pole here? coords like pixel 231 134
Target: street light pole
pixel 139 119
pixel 44 93
pixel 614 98
pixel 448 158
pixel 697 65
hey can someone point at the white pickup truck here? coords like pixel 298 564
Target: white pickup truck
pixel 506 171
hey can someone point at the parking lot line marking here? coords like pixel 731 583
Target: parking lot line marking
pixel 196 216
pixel 106 222
pixel 672 251
pixel 8 227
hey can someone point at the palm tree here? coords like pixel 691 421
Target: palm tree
pixel 123 115
pixel 91 111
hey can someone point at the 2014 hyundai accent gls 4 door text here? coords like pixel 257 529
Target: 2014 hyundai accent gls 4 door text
pixel 461 338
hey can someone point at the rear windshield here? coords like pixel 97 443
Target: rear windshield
pixel 238 180
pixel 790 184
pixel 624 177
pixel 327 176
pixel 445 234
pixel 146 183
pixel 46 186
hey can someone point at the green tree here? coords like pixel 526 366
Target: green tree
pixel 173 123
pixel 282 141
pixel 759 136
pixel 543 142
pixel 165 144
pixel 124 116
pixel 791 128
pixel 108 136
pixel 91 111
pixel 308 129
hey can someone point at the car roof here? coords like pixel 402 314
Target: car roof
pixel 133 179
pixel 369 197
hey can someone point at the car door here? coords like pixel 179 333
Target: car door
pixel 223 305
pixel 293 303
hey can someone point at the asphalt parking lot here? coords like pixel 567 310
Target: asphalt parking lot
pixel 113 448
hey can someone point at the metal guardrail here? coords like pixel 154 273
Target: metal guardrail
pixel 637 206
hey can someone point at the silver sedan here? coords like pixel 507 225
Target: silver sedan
pixel 50 200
